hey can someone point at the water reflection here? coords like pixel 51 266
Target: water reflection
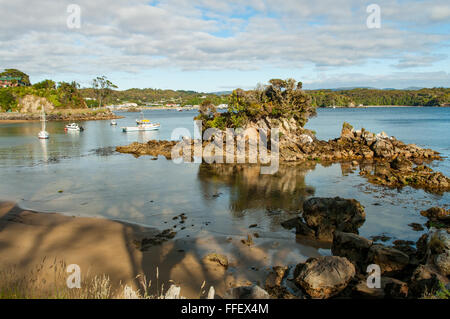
pixel 44 150
pixel 248 189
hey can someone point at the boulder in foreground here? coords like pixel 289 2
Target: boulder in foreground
pixel 325 276
pixel 323 216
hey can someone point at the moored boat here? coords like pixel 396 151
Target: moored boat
pixel 73 127
pixel 142 127
pixel 113 122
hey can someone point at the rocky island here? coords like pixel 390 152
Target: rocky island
pixel 283 105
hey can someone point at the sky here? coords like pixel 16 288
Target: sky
pixel 218 45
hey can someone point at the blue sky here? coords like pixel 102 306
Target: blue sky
pixel 211 45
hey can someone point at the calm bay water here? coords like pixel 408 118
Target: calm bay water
pixel 95 181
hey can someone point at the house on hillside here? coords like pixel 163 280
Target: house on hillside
pixel 9 81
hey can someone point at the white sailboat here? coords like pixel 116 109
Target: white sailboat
pixel 43 134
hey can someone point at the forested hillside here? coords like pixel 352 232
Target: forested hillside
pixel 355 97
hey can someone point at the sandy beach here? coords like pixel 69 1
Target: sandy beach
pixel 107 247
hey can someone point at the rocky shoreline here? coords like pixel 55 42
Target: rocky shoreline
pixel 382 159
pixel 405 271
pixel 76 115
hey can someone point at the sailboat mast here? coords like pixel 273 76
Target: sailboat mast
pixel 43 120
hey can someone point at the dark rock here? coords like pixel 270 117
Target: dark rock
pixel 416 227
pixel 325 276
pixel 389 259
pixel 303 230
pixel 425 279
pixel 396 289
pixel 275 277
pixel 351 246
pixel 436 213
pixel 291 223
pixel 325 215
pixel 401 164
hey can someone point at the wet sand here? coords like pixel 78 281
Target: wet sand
pixel 102 246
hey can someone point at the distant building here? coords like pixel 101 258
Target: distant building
pixel 9 81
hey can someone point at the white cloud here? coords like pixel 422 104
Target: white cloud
pixel 216 35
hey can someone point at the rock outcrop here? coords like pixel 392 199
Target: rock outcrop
pixel 401 173
pixel 152 147
pixel 33 104
pixel 394 160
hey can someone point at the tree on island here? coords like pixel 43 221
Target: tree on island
pixel 280 99
pixel 14 73
pixel 102 88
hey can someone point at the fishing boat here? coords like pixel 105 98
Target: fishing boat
pixel 73 127
pixel 142 127
pixel 43 134
pixel 142 120
pixel 113 122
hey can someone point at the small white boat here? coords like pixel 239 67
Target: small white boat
pixel 73 127
pixel 43 134
pixel 142 127
pixel 179 109
pixel 113 122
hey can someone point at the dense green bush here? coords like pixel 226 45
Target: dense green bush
pixel 66 95
pixel 278 99
pixel 7 100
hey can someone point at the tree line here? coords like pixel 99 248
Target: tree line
pixel 103 92
pixel 360 96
